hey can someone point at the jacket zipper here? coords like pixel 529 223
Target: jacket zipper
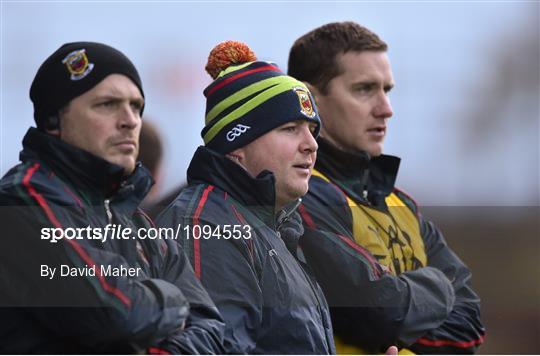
pixel 363 182
pixel 284 215
pixel 108 211
pixel 322 315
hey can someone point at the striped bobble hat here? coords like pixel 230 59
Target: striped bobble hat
pixel 248 98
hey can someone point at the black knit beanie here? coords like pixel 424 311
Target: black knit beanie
pixel 72 70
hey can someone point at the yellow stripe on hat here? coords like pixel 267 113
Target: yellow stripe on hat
pixel 233 68
pixel 266 95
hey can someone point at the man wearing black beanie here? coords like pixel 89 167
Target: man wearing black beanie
pixel 78 273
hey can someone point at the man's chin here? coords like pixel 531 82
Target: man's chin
pixel 300 191
pixel 375 151
pixel 127 163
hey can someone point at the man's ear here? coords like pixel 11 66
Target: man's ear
pixel 237 155
pixel 54 132
pixel 52 125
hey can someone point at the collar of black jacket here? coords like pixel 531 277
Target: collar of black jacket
pixel 357 173
pixel 83 170
pixel 256 193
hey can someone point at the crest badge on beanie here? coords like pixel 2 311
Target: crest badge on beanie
pixel 77 64
pixel 249 98
pixel 71 71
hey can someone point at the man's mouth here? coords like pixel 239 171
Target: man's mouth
pixel 304 167
pixel 377 131
pixel 126 144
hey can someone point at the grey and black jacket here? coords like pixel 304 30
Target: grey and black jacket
pixel 387 272
pixel 160 308
pixel 269 300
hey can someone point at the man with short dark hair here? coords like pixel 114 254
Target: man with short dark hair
pixel 387 272
pixel 77 273
pixel 151 156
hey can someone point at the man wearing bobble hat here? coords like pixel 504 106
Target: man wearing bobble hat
pixel 78 172
pixel 238 216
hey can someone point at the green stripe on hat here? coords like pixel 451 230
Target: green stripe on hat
pixel 287 83
pixel 233 68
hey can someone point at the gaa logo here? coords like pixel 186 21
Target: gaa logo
pixel 236 131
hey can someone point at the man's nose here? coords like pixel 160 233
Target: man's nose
pixel 309 144
pixel 383 108
pixel 129 117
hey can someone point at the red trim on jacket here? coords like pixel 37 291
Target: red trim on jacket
pixel 306 217
pixel 461 344
pixel 82 253
pixel 311 224
pixel 157 351
pixel 142 213
pixel 196 242
pixel 39 198
pixel 77 200
pixel 364 253
pixel 249 242
pixel 416 206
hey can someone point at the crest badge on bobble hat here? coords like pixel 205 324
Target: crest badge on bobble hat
pixel 77 64
pixel 306 107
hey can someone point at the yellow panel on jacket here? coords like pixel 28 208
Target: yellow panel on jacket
pixel 345 349
pixel 394 239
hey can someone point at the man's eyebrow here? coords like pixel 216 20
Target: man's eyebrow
pixel 371 83
pixel 362 83
pixel 108 96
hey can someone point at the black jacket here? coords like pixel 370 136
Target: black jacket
pixel 97 311
pixel 270 302
pixel 387 273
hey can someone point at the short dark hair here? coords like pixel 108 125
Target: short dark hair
pixel 150 147
pixel 313 56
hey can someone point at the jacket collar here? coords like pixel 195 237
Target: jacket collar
pixel 359 175
pixel 255 193
pixel 86 171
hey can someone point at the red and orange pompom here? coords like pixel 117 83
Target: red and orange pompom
pixel 226 54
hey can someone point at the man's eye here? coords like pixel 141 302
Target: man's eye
pixel 136 106
pixel 289 128
pixel 107 104
pixel 364 88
